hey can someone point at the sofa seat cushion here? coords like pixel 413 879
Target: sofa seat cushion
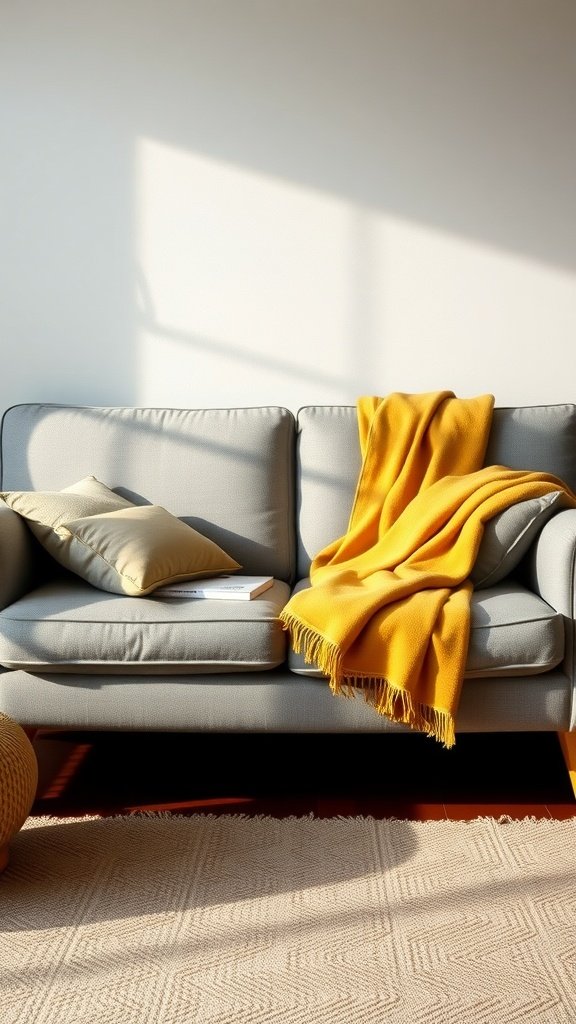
pixel 512 632
pixel 69 626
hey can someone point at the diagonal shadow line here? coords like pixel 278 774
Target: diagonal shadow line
pixel 146 319
pixel 222 348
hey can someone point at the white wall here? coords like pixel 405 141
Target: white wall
pixel 246 202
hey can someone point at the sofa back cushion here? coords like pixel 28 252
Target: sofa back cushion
pixel 539 438
pixel 227 472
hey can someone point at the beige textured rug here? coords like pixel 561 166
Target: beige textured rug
pixel 186 920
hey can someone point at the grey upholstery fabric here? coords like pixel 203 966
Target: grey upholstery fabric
pixel 537 437
pixel 69 626
pixel 512 632
pixel 227 472
pixel 328 464
pixel 551 572
pixel 276 701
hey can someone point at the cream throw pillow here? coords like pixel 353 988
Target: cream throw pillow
pixel 113 544
pixel 133 551
pixel 46 511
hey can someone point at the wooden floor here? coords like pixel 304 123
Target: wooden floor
pixel 405 776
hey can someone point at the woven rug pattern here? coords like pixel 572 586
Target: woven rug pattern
pixel 159 919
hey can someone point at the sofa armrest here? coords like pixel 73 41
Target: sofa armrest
pixel 17 556
pixel 551 567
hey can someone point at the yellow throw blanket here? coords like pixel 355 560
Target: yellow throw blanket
pixel 388 609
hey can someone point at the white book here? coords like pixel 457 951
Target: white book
pixel 223 588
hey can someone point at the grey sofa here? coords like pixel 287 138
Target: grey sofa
pixel 271 488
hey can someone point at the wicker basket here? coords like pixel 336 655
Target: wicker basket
pixel 18 782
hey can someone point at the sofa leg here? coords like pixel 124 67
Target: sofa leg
pixel 568 747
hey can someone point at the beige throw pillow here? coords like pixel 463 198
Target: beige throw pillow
pixel 113 544
pixel 46 511
pixel 133 551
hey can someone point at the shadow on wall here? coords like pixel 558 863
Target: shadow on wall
pixel 456 116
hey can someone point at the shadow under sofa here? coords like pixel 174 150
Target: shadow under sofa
pixel 271 488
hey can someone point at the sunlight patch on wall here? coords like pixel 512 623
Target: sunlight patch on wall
pixel 246 286
pixel 254 290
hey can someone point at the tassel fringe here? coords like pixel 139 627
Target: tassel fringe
pixel 315 648
pixel 398 705
pixel 391 701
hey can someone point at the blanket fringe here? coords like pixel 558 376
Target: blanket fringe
pixel 398 705
pixel 391 701
pixel 315 648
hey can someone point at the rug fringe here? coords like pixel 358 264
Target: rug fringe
pixel 196 818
